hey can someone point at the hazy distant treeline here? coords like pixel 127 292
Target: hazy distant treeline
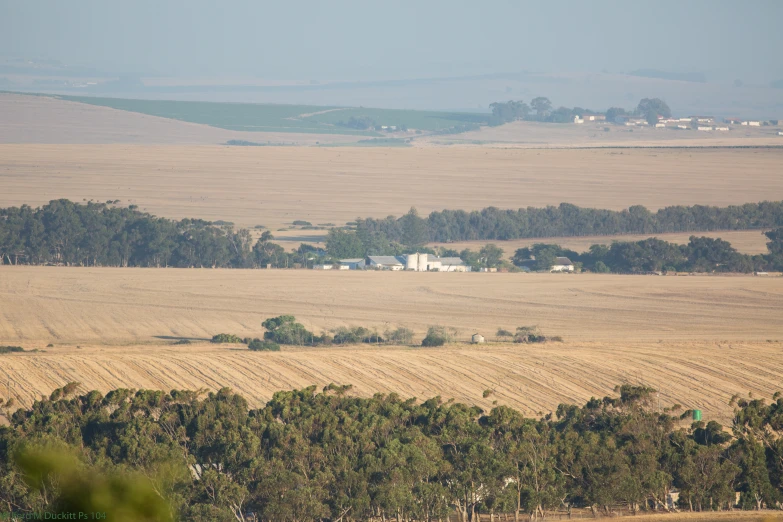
pixel 570 220
pixel 309 456
pixel 97 234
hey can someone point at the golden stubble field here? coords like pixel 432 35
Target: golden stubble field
pixel 698 339
pixel 275 185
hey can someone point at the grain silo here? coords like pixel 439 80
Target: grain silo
pixel 422 263
pixel 412 262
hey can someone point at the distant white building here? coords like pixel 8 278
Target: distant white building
pixel 562 264
pixel 703 128
pixel 683 127
pixel 418 263
pixel 323 267
pixel 386 262
pixel 660 125
pixel 721 128
pixel 780 133
pixel 754 123
pixel 577 119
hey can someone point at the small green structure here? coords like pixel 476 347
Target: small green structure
pixel 696 415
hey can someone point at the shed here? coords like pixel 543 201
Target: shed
pixel 352 264
pixel 477 338
pixel 562 264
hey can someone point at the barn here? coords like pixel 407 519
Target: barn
pixel 562 264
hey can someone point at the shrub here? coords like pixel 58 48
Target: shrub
pixel 257 345
pixel 503 333
pixel 226 338
pixel 438 336
pixel 285 330
pixel 184 341
pixel 399 335
pixel 302 223
pixel 50 345
pixel 357 334
pixel 9 349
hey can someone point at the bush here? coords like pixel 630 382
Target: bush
pixel 226 338
pixel 285 330
pixel 357 334
pixel 184 341
pixel 438 336
pixel 302 223
pixel 399 335
pixel 257 345
pixel 9 349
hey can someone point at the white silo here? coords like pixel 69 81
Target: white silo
pixel 412 262
pixel 422 263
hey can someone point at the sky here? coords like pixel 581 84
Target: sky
pixel 374 40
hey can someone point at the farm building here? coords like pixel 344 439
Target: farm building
pixel 577 119
pixel 660 125
pixel 721 128
pixel 323 267
pixel 418 262
pixel 352 264
pixel 703 128
pixel 780 133
pixel 754 123
pixel 734 121
pixel 477 338
pixel 386 262
pixel 683 127
pixel 562 264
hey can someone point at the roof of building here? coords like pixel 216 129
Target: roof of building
pixel 450 260
pixel 357 260
pixel 563 261
pixel 387 260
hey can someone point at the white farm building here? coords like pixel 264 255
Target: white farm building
pixel 418 262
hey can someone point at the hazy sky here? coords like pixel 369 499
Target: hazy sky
pixel 369 39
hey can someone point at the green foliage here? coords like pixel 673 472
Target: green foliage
pixel 438 336
pixel 344 244
pixel 355 335
pixel 414 229
pixel 257 345
pixel 226 338
pixel 67 486
pixel 307 456
pixel 95 234
pixel 399 335
pixel 568 220
pixel 10 349
pixel 285 330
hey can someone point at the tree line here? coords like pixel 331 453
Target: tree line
pixel 99 234
pixel 566 220
pixel 310 456
pixel 541 109
pixel 700 254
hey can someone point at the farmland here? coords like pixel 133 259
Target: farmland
pixel 283 118
pixel 700 339
pixel 273 186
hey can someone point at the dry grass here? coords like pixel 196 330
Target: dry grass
pixel 698 339
pixel 746 241
pixel 120 305
pixel 39 119
pixel 276 185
